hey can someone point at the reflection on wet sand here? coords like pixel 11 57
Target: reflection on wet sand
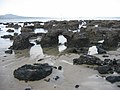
pixel 51 50
pixel 22 53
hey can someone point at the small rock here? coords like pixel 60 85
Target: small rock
pixel 76 86
pixel 28 89
pixel 57 77
pixel 40 59
pixel 54 67
pixel 118 86
pixel 8 51
pixel 60 68
pixel 47 80
pixel 105 56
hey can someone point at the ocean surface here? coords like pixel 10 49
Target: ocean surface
pixel 59 19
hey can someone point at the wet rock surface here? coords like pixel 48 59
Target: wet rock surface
pixel 33 72
pixel 10 30
pixel 109 66
pixel 9 51
pixel 87 59
pixel 113 79
pixel 7 36
pixel 21 42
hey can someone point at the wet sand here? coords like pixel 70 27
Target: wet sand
pixel 70 75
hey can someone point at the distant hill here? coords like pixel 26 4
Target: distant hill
pixel 11 16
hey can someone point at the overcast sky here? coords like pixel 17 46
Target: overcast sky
pixel 61 8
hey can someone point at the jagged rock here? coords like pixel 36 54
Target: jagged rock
pixel 21 42
pixel 33 72
pixel 87 59
pixel 113 79
pixel 73 24
pixel 10 30
pixel 8 51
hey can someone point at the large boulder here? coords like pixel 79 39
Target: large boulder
pixel 21 42
pixel 87 59
pixel 49 39
pixel 111 40
pixel 33 72
pixel 77 40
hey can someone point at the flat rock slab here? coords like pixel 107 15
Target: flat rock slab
pixel 33 72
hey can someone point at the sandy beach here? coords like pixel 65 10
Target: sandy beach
pixel 70 75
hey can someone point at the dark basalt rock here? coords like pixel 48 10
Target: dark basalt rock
pixel 113 79
pixel 111 40
pixel 101 50
pixel 16 26
pixel 33 72
pixel 8 51
pixel 77 40
pixel 12 25
pixel 60 68
pixel 106 69
pixel 10 30
pixel 73 24
pixel 87 59
pixel 109 66
pixel 26 29
pixel 7 36
pixel 49 39
pixel 21 42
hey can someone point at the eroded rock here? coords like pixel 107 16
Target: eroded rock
pixel 33 72
pixel 87 59
pixel 21 42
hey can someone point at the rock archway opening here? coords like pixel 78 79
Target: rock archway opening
pixel 61 44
